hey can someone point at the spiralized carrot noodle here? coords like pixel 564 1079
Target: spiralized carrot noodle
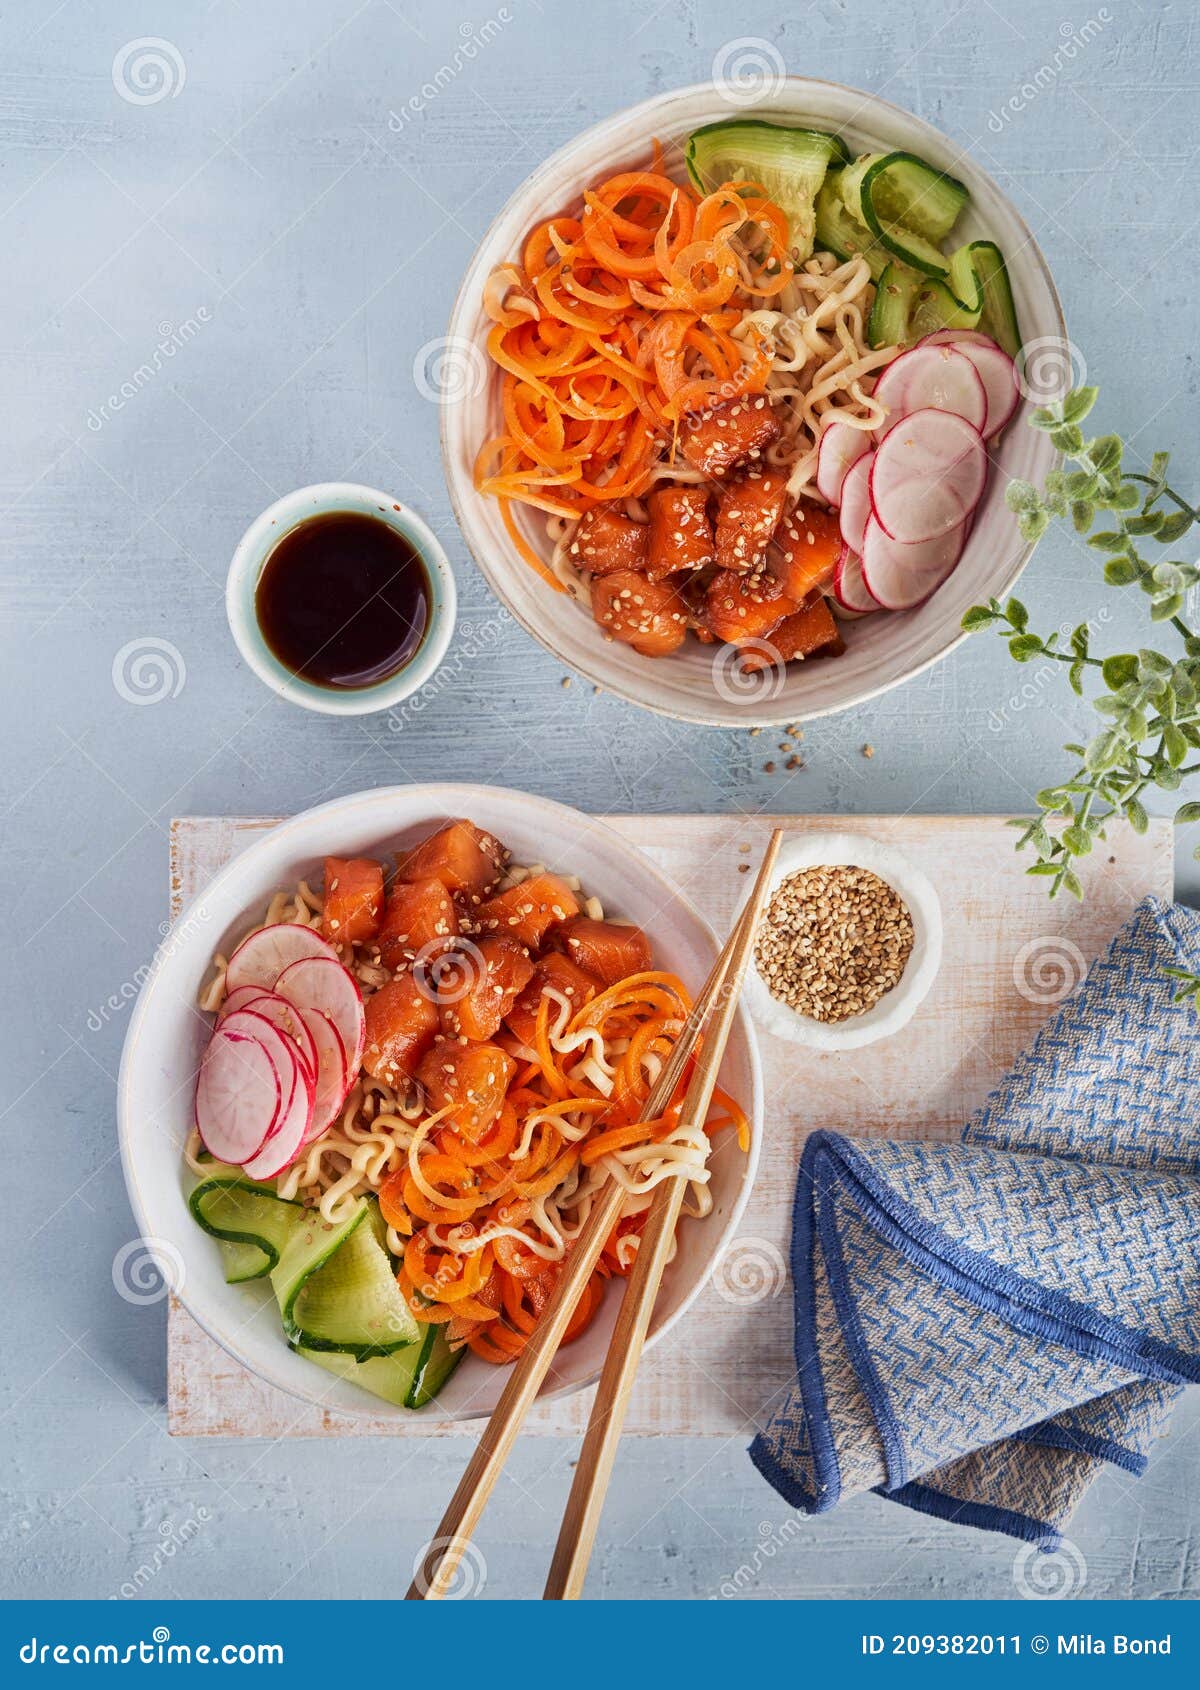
pixel 614 325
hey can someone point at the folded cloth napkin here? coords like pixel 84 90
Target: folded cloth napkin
pixel 981 1325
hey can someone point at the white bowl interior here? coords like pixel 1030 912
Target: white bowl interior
pixel 167 1035
pixel 882 650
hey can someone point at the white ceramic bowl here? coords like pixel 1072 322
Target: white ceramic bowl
pixel 897 1007
pixel 260 540
pixel 883 650
pixel 167 1035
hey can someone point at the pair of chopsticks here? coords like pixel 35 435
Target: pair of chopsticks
pixel 713 1013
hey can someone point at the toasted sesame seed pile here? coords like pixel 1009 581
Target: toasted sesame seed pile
pixel 833 940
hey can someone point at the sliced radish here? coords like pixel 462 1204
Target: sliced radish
pixel 933 377
pixel 239 1096
pixel 841 447
pixel 849 588
pixel 281 1147
pixel 262 958
pixel 927 476
pixel 994 368
pixel 286 1017
pixel 290 1065
pixel 899 576
pixel 240 998
pixel 321 984
pixel 333 1077
pixel 856 502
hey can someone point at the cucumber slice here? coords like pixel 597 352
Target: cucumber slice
pixel 788 164
pixel 906 204
pixel 909 305
pixel 999 315
pixel 410 1377
pixel 337 1290
pixel 842 234
pixel 389 1377
pixel 252 1224
pixel 435 1364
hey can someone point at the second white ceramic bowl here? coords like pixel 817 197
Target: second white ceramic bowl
pixel 698 683
pixel 167 1036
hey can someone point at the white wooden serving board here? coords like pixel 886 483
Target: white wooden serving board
pixel 1006 947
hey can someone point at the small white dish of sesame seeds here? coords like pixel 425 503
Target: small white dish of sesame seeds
pixel 848 946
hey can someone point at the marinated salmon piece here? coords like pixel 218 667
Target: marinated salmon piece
pixel 419 919
pixel 681 536
pixel 749 513
pixel 805 550
pixel 716 439
pixel 606 949
pixel 353 899
pixel 746 607
pixel 557 973
pixel 402 1023
pixel 811 632
pixel 475 997
pixel 527 912
pixel 606 539
pixel 473 1079
pixel 462 856
pixel 648 615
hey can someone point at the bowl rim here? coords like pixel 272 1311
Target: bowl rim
pixel 258 541
pixel 452 797
pixel 583 666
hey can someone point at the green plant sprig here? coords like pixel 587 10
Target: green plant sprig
pixel 1150 705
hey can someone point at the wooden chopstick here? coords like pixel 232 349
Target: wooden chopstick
pixel 454 1533
pixel 577 1535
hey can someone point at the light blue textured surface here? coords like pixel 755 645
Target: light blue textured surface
pixel 302 250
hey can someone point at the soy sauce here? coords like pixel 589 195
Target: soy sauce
pixel 343 600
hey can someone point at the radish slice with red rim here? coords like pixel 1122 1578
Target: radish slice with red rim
pixel 900 576
pixel 333 1077
pixel 281 1147
pixel 856 502
pixel 286 1017
pixel 239 1096
pixel 240 998
pixel 933 377
pixel 927 475
pixel 320 984
pixel 849 587
pixel 260 959
pixel 290 1065
pixel 842 445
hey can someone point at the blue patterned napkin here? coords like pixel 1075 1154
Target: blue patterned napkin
pixel 981 1325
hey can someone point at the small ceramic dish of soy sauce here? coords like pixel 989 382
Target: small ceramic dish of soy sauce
pixel 341 599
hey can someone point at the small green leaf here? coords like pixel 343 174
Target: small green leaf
pixel 1135 815
pixel 1046 416
pixel 1174 526
pixel 1127 497
pixel 1033 525
pixel 1051 868
pixel 1149 523
pixel 1175 746
pixel 1119 670
pixel 1169 779
pixel 1163 609
pixel 1104 751
pixel 1187 813
pixel 1159 464
pixel 1078 403
pixel 1105 453
pixel 1108 540
pixel 1077 841
pixel 1083 514
pixel 1021 496
pixel 1075 676
pixel 1017 615
pixel 979 616
pixel 1120 571
pixel 1073 885
pixel 1023 648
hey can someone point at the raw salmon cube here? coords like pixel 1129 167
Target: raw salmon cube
pixel 471 1078
pixel 648 615
pixel 462 856
pixel 527 912
pixel 811 632
pixel 419 919
pixel 606 949
pixel 353 899
pixel 402 1023
pixel 606 539
pixel 681 536
pixel 750 511
pixel 476 995
pixel 716 439
pixel 740 608
pixel 805 550
pixel 559 974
